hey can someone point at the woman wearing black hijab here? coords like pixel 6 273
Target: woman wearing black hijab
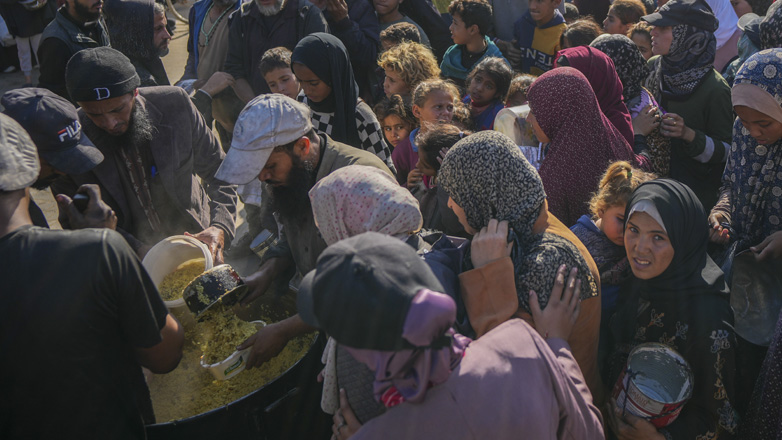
pixel 322 66
pixel 677 297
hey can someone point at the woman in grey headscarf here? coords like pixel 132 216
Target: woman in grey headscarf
pixel 489 180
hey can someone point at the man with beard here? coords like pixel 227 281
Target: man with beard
pixel 137 28
pixel 80 314
pixel 78 25
pixel 156 146
pixel 274 143
pixel 54 127
pixel 260 25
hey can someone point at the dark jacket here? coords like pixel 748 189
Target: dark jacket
pixel 426 15
pixel 131 28
pixel 360 33
pixel 24 23
pixel 184 149
pixel 249 37
pixel 61 39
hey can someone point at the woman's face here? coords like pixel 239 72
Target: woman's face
pixel 536 128
pixel 662 37
pixel 765 129
pixel 741 7
pixel 315 89
pixel 644 44
pixel 461 216
pixel 648 247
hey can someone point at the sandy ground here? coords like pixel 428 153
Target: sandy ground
pixel 175 67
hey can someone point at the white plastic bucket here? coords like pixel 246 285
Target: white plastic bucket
pixel 233 364
pixel 165 257
pixel 512 123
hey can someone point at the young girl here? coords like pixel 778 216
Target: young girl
pixel 641 34
pixel 487 85
pixel 396 118
pixel 405 66
pixel 433 103
pixel 322 66
pixel 603 232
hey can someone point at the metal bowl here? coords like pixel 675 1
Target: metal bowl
pixel 218 284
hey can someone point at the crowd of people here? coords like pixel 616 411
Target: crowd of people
pixel 465 283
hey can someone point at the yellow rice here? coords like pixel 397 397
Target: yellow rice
pixel 173 285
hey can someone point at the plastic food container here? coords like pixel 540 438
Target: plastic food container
pixel 233 364
pixel 220 283
pixel 655 385
pixel 165 257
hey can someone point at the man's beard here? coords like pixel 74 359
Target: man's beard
pixel 163 52
pixel 140 131
pixel 292 201
pixel 85 13
pixel 270 10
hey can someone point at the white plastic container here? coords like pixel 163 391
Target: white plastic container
pixel 233 364
pixel 165 257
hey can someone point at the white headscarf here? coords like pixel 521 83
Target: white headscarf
pixel 728 21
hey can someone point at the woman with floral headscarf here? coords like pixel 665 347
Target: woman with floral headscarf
pixel 752 187
pixel 697 99
pixel 646 112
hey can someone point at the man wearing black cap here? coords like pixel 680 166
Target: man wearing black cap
pixel 156 145
pixel 54 126
pixel 78 25
pixel 79 316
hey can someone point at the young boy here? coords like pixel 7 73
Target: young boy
pixel 275 67
pixel 388 14
pixel 537 35
pixel 471 21
pixel 622 15
pixel 397 34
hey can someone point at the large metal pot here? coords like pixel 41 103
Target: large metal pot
pixel 287 407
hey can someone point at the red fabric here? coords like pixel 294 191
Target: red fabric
pixel 601 74
pixel 392 397
pixel 583 141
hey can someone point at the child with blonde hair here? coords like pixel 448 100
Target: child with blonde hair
pixel 406 65
pixel 433 103
pixel 603 233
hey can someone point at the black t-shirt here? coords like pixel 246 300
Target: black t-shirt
pixel 73 305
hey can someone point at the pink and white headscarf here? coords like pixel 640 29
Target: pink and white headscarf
pixel 357 199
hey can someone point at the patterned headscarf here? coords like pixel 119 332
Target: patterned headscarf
pixel 583 141
pixel 488 177
pixel 599 70
pixel 752 170
pixel 629 63
pixel 771 27
pixel 677 74
pixel 357 199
